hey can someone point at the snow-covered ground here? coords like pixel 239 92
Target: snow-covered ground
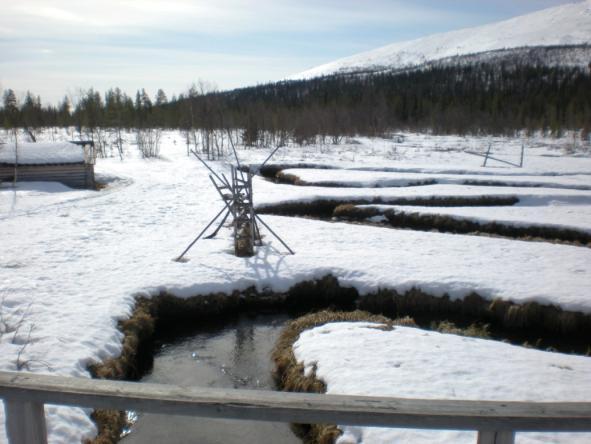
pixel 72 261
pixel 428 153
pixel 529 196
pixel 552 213
pixel 380 179
pixel 542 204
pixel 355 358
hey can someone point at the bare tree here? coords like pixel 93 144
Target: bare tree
pixel 148 141
pixel 11 119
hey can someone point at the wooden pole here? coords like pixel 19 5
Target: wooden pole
pixel 209 168
pixel 15 132
pixel 496 437
pixel 251 211
pixel 180 258
pixel 212 235
pixel 273 233
pixel 487 154
pixel 268 158
pixel 25 422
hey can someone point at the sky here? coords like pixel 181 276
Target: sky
pixel 58 47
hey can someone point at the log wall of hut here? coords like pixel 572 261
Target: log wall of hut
pixel 74 175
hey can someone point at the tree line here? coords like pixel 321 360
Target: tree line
pixel 482 98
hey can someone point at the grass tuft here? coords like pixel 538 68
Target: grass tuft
pixel 473 330
pixel 290 376
pixel 138 331
pixel 109 423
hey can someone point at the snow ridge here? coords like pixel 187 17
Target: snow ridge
pixel 564 25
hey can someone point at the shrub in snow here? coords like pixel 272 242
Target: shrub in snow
pixel 148 142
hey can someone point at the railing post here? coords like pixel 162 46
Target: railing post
pixel 503 437
pixel 25 422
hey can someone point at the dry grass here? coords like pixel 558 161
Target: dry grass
pixel 289 179
pixel 271 171
pixel 109 423
pixel 137 330
pixel 290 375
pixel 353 212
pixel 449 224
pixel 473 330
pixel 545 324
pixel 324 208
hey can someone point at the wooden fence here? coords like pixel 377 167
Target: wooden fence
pixel 24 396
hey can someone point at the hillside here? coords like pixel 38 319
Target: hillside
pixel 566 25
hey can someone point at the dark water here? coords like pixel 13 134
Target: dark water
pixel 234 354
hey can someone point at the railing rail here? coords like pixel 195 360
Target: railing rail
pixel 25 394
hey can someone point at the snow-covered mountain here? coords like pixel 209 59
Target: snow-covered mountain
pixel 565 25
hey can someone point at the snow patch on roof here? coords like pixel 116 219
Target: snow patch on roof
pixel 41 153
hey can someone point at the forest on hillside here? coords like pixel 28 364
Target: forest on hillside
pixel 482 98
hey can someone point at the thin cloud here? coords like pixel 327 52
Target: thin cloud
pixel 206 17
pixel 56 14
pixel 46 46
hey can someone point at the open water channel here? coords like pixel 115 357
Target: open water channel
pixel 232 353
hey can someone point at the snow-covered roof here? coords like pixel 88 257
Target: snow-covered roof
pixel 41 153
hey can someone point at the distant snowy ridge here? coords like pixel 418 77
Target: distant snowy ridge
pixel 566 25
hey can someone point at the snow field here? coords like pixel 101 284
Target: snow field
pixel 561 201
pixel 355 358
pixel 555 214
pixel 71 262
pixel 279 193
pixel 445 154
pixel 367 179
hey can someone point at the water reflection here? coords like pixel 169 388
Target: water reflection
pixel 231 355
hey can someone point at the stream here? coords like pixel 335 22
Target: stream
pixel 234 353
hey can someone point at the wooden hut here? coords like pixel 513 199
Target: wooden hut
pixel 71 163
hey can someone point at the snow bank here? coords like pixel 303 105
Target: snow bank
pixel 41 153
pixel 555 214
pixel 364 178
pixel 288 193
pixel 358 359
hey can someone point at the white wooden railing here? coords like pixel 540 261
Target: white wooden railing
pixel 25 395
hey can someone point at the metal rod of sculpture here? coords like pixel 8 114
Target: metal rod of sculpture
pixel 237 195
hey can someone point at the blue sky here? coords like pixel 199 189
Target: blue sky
pixel 57 47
